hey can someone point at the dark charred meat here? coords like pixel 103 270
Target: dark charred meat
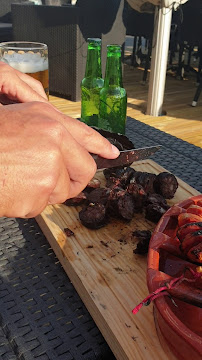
pixel 93 184
pixel 126 192
pixel 113 182
pixel 116 143
pixel 153 212
pixel 156 199
pixel 115 193
pixel 112 205
pixel 118 176
pixel 93 216
pixel 100 196
pixel 146 180
pixel 120 204
pixel 135 177
pixel 144 237
pixel 126 176
pixel 166 185
pixel 76 201
pixel 116 139
pixel 116 172
pixel 139 195
pixel 125 206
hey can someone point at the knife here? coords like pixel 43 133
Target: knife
pixel 126 157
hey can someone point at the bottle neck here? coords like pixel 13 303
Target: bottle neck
pixel 113 75
pixel 93 63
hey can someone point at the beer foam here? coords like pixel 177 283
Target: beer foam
pixel 26 63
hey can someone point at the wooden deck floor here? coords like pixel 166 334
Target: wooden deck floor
pixel 181 119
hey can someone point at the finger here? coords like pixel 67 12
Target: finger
pixel 61 191
pixel 79 163
pixel 33 83
pixel 90 139
pixel 4 100
pixel 20 91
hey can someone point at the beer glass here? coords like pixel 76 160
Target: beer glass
pixel 28 57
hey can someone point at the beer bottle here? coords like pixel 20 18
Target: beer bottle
pixel 113 97
pixel 92 83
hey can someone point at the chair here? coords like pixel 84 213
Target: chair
pixel 190 37
pixel 6 31
pixel 139 24
pixel 6 28
pixel 65 30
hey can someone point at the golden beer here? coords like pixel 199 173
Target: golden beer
pixel 43 77
pixel 29 58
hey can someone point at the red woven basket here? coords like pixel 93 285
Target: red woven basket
pixel 178 321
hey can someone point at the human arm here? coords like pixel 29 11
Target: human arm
pixel 44 157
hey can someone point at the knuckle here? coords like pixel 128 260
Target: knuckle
pixel 47 186
pixel 57 131
pixel 52 170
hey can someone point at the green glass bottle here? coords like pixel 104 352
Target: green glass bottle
pixel 113 97
pixel 92 84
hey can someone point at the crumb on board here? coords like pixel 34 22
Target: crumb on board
pixel 68 232
pixel 104 243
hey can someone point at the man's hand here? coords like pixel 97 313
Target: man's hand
pixel 44 157
pixel 16 87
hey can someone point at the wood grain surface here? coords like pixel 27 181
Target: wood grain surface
pixel 108 276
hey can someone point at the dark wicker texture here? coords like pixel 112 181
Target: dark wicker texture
pixel 65 30
pixel 177 156
pixel 41 314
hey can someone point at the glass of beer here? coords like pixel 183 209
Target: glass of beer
pixel 28 57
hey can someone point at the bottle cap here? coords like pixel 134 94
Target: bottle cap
pixel 96 41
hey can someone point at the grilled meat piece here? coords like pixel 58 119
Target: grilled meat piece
pixel 93 184
pixel 146 180
pixel 119 140
pixel 113 172
pixel 120 204
pixel 100 196
pixel 125 206
pixel 76 201
pixel 113 182
pixel 119 176
pixel 139 195
pixel 144 237
pixel 93 216
pixel 156 199
pixel 153 212
pixel 166 185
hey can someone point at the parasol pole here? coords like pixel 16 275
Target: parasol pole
pixel 160 46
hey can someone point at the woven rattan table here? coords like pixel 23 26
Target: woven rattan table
pixel 41 314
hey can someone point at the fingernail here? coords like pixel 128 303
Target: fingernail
pixel 115 150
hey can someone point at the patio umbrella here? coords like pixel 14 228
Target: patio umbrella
pixel 160 46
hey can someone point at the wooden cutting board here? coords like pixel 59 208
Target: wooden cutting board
pixel 108 276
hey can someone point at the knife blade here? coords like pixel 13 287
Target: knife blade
pixel 126 157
